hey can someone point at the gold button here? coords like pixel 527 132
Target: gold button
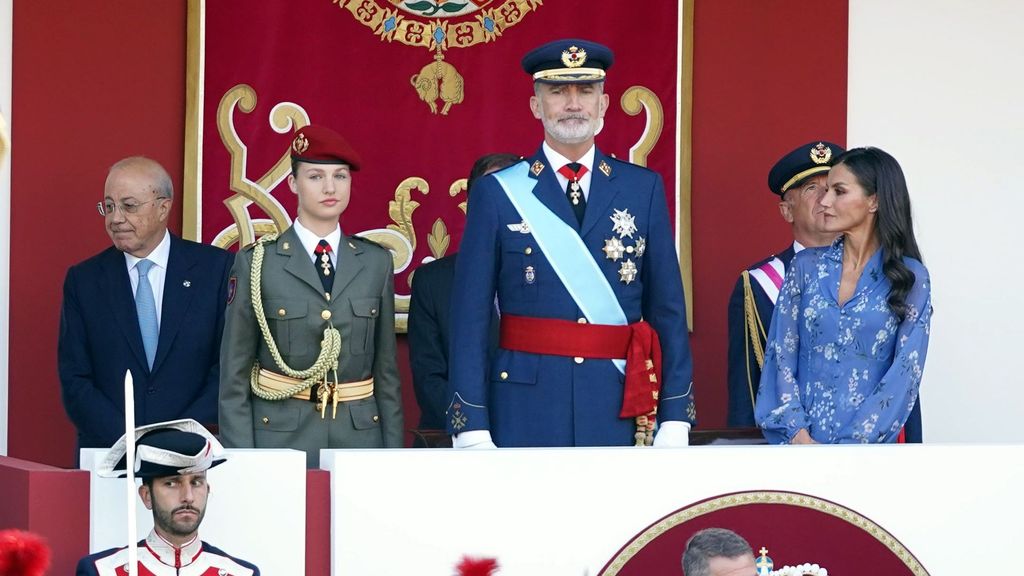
pixel 326 314
pixel 529 250
pixel 581 321
pixel 376 418
pixel 281 312
pixel 504 375
pixel 266 420
pixel 578 360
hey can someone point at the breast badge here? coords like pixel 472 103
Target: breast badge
pixel 522 227
pixel 614 249
pixel 623 223
pixel 529 275
pixel 627 272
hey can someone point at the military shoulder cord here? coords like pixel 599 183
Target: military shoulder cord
pixel 753 330
pixel 330 346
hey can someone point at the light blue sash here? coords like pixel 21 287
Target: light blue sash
pixel 565 250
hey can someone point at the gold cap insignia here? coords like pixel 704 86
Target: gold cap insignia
pixel 574 57
pixel 821 154
pixel 605 168
pixel 300 144
pixel 537 168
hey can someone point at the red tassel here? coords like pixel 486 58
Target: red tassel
pixel 23 554
pixel 476 566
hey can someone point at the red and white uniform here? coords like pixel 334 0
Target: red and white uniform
pixel 158 557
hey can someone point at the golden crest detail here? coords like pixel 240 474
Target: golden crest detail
pixel 605 169
pixel 537 168
pixel 821 154
pixel 574 57
pixel 439 25
pixel 300 144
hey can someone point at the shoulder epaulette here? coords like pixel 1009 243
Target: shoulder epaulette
pixel 368 241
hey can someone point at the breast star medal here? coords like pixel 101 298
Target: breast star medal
pixel 613 249
pixel 627 271
pixel 623 223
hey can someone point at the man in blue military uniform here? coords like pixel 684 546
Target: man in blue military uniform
pixel 799 180
pixel 578 249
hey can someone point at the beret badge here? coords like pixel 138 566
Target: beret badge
pixel 821 154
pixel 300 144
pixel 574 57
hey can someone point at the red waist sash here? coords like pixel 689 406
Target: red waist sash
pixel 638 343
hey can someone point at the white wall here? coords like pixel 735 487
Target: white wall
pixel 6 51
pixel 937 83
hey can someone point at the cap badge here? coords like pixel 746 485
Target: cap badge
pixel 574 57
pixel 821 154
pixel 300 144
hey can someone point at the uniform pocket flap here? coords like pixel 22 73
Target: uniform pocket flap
pixel 277 416
pixel 365 414
pixel 283 309
pixel 366 307
pixel 514 366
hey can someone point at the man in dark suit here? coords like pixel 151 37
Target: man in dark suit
pixel 429 311
pixel 578 248
pixel 798 178
pixel 152 304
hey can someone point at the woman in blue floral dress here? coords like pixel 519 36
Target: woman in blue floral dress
pixel 849 336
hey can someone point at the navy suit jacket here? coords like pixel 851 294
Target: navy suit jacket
pixel 429 313
pixel 100 339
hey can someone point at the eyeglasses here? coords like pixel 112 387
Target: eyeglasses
pixel 107 207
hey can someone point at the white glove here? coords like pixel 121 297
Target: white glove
pixel 672 434
pixel 473 439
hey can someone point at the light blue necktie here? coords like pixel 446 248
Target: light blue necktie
pixel 145 305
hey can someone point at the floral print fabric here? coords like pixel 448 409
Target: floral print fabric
pixel 848 373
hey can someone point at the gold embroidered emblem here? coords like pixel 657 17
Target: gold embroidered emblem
pixel 537 168
pixel 574 57
pixel 439 26
pixel 300 144
pixel 821 154
pixel 458 418
pixel 605 168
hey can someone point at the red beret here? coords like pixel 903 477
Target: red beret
pixel 321 145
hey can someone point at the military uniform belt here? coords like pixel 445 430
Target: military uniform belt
pixel 333 392
pixel 638 343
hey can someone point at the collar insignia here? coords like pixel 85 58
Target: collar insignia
pixel 821 154
pixel 574 57
pixel 537 168
pixel 605 168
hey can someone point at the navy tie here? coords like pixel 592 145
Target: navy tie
pixel 324 267
pixel 145 306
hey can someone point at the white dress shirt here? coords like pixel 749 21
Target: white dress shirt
pixel 557 161
pixel 310 241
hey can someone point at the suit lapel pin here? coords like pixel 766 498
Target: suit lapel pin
pixel 187 284
pixel 537 168
pixel 605 168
